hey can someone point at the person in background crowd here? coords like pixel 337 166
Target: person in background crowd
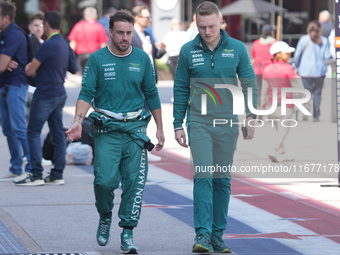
pixel 331 39
pixel 192 30
pixel 279 74
pixel 13 90
pixel 325 20
pixel 36 27
pixel 87 36
pixel 105 20
pixel 174 40
pixel 142 39
pixel 150 32
pixel 49 66
pixel 224 24
pixel 260 54
pixel 309 58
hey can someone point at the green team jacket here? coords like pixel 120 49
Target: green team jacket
pixel 117 83
pixel 198 72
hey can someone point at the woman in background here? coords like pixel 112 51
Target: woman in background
pixel 279 74
pixel 311 52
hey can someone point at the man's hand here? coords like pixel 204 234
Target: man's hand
pixel 250 129
pixel 157 115
pixel 161 46
pixel 27 66
pixel 181 138
pixel 161 139
pixel 74 132
pixel 12 65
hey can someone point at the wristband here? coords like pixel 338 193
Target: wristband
pixel 78 122
pixel 179 128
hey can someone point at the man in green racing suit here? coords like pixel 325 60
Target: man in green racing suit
pixel 115 78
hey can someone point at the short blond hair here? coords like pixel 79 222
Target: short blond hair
pixel 207 8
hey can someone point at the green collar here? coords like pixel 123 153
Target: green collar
pixel 53 34
pixel 203 45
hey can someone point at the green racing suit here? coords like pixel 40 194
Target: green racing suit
pixel 201 96
pixel 116 84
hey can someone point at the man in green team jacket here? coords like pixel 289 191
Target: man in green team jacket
pixel 116 77
pixel 206 74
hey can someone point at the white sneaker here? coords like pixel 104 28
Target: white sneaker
pixel 8 176
pixel 20 177
pixel 30 181
pixel 45 162
pixel 285 158
pixel 273 157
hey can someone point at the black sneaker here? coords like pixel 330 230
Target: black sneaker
pixel 51 180
pixel 30 180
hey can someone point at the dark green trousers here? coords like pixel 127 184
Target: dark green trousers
pixel 212 150
pixel 118 159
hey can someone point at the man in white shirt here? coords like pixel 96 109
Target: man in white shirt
pixel 142 39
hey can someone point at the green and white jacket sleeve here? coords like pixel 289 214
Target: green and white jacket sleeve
pixel 149 87
pixel 181 89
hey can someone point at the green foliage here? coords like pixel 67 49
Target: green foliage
pixel 161 65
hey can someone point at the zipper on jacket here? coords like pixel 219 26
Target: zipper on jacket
pixel 215 50
pixel 213 55
pixel 212 59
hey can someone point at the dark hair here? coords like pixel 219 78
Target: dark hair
pixel 267 30
pixel 137 10
pixel 38 15
pixel 314 31
pixel 8 8
pixel 53 18
pixel 207 8
pixel 121 15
